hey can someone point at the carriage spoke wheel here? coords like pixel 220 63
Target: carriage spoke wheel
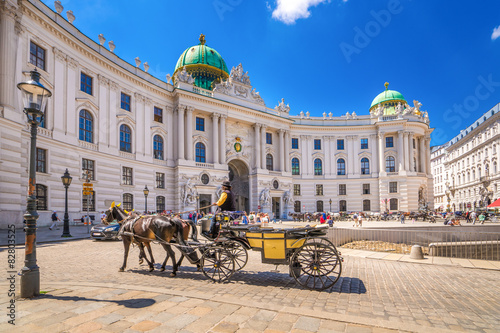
pixel 316 265
pixel 217 263
pixel 239 252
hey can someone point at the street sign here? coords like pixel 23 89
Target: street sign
pixel 87 192
pixel 88 184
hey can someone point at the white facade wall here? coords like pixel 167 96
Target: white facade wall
pixel 228 118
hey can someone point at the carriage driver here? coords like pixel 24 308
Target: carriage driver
pixel 225 203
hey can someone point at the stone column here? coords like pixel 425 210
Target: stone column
pixel 263 146
pixel 400 149
pixel 189 133
pixel 305 155
pixel 257 145
pixel 71 82
pixel 327 161
pixel 282 149
pixel 103 126
pixel 406 148
pixel 333 151
pixel 113 134
pixel 8 55
pixel 350 155
pixel 411 153
pixel 180 131
pixel 373 162
pixel 215 133
pixel 422 155
pixel 310 150
pixel 140 128
pixel 170 133
pixel 222 147
pixel 428 155
pixel 58 116
pixel 356 145
pixel 381 152
pixel 287 151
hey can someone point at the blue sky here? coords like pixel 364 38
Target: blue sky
pixel 323 55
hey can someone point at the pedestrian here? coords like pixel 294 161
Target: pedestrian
pixel 402 218
pixel 244 218
pixel 103 216
pixel 482 217
pixel 54 218
pixel 195 217
pixel 355 218
pixel 473 217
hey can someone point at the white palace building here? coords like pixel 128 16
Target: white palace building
pixel 183 136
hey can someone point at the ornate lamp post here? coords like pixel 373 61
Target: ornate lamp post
pixel 146 193
pixel 35 97
pixel 66 180
pixel 330 205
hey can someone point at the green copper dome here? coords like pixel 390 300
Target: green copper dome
pixel 204 64
pixel 390 97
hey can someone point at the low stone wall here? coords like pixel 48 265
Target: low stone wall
pixel 485 250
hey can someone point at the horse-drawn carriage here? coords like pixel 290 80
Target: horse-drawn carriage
pixel 313 260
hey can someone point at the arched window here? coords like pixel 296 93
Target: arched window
pixel 86 126
pixel 473 174
pixel 365 166
pixel 160 204
pixel 393 205
pixel 269 162
pixel 468 177
pixel 200 152
pixel 318 168
pixel 128 201
pixel 366 205
pixel 340 167
pixel 295 166
pixel 343 206
pixel 390 164
pixel 158 147
pixel 495 167
pixel 41 197
pixel 125 139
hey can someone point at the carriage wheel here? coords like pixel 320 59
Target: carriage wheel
pixel 217 263
pixel 316 265
pixel 239 252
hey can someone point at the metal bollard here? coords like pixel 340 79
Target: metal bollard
pixel 416 252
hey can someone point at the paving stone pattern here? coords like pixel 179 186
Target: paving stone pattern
pixel 86 293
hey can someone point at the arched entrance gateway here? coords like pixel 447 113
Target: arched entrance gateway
pixel 238 176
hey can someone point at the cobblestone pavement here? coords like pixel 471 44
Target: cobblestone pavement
pixel 85 292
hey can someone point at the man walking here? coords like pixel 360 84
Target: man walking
pixel 54 218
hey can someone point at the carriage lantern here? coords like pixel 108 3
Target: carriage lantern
pixel 35 97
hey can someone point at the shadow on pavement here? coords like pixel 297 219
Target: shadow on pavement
pixel 134 303
pixel 345 285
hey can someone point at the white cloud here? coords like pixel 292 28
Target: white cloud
pixel 496 33
pixel 288 11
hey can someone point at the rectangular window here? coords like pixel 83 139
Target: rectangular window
pixel 319 189
pixel 317 144
pixel 91 201
pixel 127 176
pixel 319 206
pixel 295 143
pixel 86 83
pixel 389 142
pixel 88 166
pixel 393 187
pixel 296 189
pixel 200 124
pixel 158 115
pixel 342 189
pixel 413 143
pixel 366 188
pixel 125 102
pixel 364 143
pixel 37 56
pixel 41 160
pixel 340 144
pixel 269 138
pixel 160 180
pixel 296 206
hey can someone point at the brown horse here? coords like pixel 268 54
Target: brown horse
pixel 141 230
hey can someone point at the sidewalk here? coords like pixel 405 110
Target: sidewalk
pixel 45 235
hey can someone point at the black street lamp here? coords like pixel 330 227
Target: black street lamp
pixel 66 180
pixel 146 193
pixel 35 97
pixel 330 205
